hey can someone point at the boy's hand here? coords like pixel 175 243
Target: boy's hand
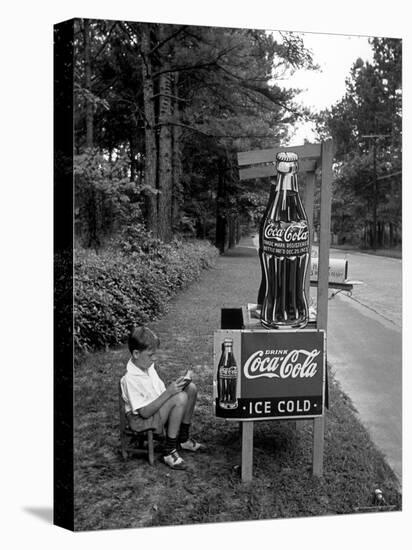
pixel 182 381
pixel 186 379
pixel 176 386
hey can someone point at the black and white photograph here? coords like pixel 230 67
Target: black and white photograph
pixel 207 275
pixel 243 188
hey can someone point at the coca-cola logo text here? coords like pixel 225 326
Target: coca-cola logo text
pixel 298 363
pixel 228 372
pixel 292 233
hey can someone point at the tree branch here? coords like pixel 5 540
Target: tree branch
pixel 233 136
pixel 105 42
pixel 125 27
pixel 206 64
pixel 163 42
pixel 170 97
pixel 262 91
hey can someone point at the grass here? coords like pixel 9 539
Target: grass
pixel 110 493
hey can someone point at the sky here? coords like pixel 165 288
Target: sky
pixel 335 54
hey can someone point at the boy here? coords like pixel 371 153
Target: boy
pixel 149 404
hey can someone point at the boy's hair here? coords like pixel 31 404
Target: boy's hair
pixel 141 338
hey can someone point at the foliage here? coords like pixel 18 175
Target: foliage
pixel 134 238
pixel 367 128
pixel 225 95
pixel 115 291
pixel 105 197
pixel 63 291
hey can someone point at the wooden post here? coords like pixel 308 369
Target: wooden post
pixel 309 201
pixel 324 238
pixel 318 445
pixel 255 164
pixel 323 285
pixel 247 451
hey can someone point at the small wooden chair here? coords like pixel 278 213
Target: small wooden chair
pixel 132 442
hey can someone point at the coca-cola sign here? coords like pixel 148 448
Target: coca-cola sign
pixel 286 239
pixel 280 374
pixel 298 363
pixel 295 232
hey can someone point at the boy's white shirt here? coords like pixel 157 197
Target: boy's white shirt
pixel 139 387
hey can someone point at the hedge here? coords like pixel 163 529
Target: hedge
pixel 115 290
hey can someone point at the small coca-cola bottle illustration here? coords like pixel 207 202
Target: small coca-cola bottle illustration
pixel 285 251
pixel 227 374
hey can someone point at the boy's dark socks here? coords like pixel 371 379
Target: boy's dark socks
pixel 184 432
pixel 170 444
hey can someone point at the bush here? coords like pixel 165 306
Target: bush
pixel 115 290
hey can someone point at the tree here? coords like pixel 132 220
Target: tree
pixel 151 157
pixel 180 101
pixel 88 83
pixel 231 105
pixel 366 125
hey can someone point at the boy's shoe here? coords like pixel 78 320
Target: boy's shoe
pixel 174 461
pixel 190 445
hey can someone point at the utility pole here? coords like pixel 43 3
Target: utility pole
pixel 375 137
pixel 375 197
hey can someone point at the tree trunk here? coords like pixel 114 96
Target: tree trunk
pixel 165 159
pixel 221 221
pixel 176 159
pixel 92 206
pixel 133 151
pixel 220 240
pixel 88 83
pixel 150 171
pixel 165 173
pixel 380 234
pixel 231 236
pixel 92 220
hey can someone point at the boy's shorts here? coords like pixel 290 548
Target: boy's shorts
pixel 139 424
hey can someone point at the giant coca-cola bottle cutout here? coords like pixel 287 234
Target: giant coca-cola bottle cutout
pixel 227 374
pixel 284 251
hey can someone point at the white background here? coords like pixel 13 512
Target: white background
pixel 26 272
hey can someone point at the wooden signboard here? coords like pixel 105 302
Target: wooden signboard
pixel 281 374
pixel 314 158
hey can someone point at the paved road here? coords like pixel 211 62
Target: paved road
pixel 365 348
pixel 382 288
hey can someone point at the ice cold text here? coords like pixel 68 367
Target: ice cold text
pixel 283 406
